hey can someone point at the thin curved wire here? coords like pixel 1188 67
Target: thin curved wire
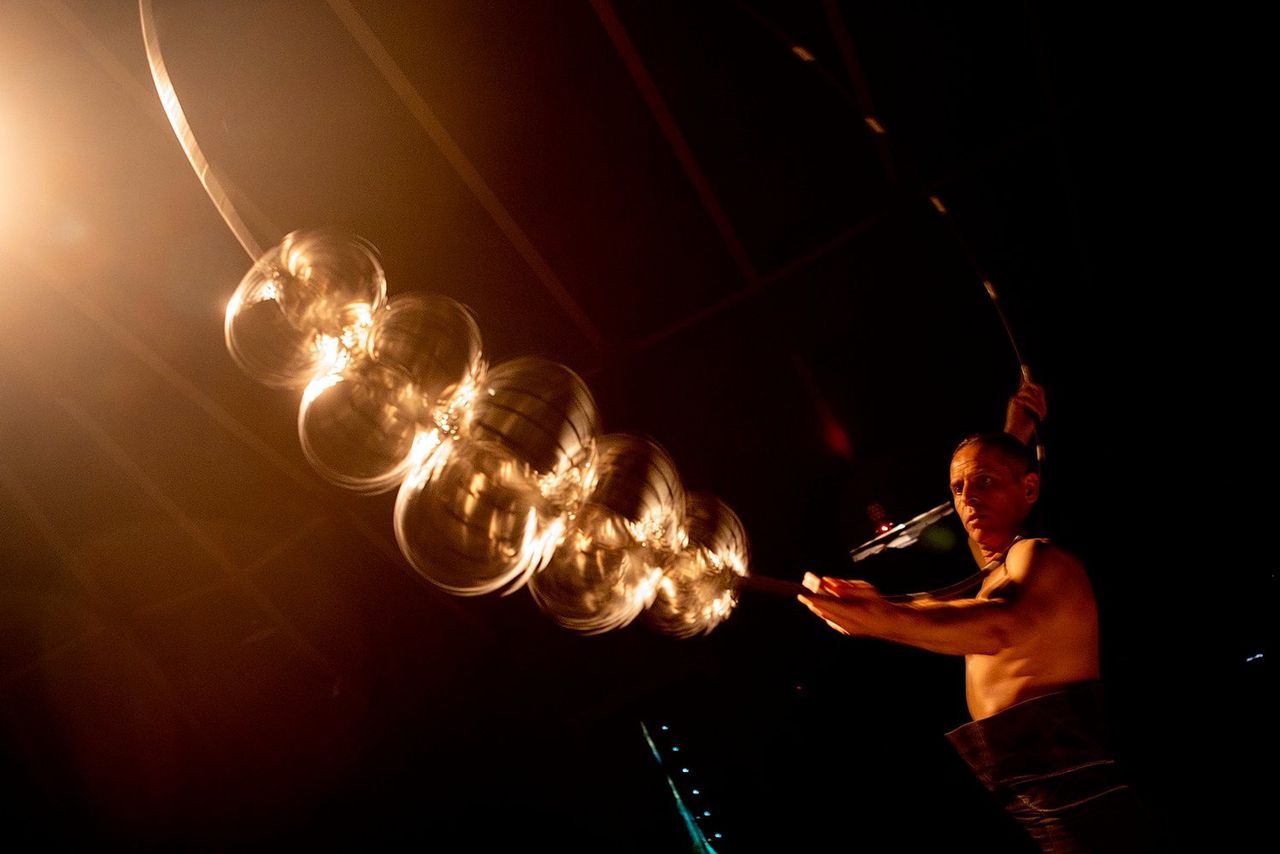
pixel 859 102
pixel 187 138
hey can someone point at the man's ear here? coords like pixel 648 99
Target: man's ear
pixel 1031 485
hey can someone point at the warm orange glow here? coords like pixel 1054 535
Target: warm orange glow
pixel 875 125
pixel 452 407
pixel 8 173
pixel 425 443
pixel 18 184
pixel 355 335
pixel 317 386
pixel 938 205
pixel 540 541
pixel 802 53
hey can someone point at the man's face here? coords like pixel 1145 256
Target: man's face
pixel 992 495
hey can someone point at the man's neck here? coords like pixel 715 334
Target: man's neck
pixel 992 556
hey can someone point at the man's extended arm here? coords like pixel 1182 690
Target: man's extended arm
pixel 958 627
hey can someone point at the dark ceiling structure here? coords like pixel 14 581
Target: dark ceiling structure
pixel 725 217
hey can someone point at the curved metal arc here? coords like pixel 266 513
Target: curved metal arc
pixel 186 137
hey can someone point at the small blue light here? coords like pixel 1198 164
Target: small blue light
pixel 706 812
pixel 718 835
pixel 684 770
pixel 696 792
pixel 664 727
pixel 675 750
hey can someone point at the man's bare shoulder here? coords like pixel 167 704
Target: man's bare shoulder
pixel 1039 559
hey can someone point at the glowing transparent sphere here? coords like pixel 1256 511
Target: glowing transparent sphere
pixel 471 520
pixel 369 420
pixel 302 304
pixel 360 427
pixel 544 415
pixel 699 587
pixel 432 338
pixel 606 571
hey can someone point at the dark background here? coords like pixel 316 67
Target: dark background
pixel 203 643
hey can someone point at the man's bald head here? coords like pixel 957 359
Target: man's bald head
pixel 1019 456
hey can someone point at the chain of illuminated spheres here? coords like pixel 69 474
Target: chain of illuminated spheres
pixel 504 479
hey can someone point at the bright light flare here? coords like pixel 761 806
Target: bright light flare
pixel 11 184
pixel 25 206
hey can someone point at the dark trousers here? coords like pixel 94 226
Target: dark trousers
pixel 1048 761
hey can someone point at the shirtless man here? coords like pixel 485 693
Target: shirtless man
pixel 1030 641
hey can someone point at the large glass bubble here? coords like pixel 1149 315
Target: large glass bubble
pixel 544 415
pixel 302 304
pixel 360 427
pixel 606 571
pixel 430 337
pixel 366 423
pixel 471 520
pixel 699 587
